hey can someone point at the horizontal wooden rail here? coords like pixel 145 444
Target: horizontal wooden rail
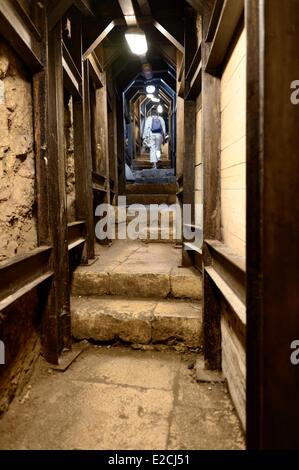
pixel 229 266
pixel 229 295
pixel 23 273
pixel 17 30
pixel 76 234
pixel 99 182
pixel 230 17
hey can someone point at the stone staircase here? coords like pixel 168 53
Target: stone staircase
pixel 136 293
pixel 142 162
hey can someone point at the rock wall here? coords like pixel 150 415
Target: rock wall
pixel 20 333
pixel 19 325
pixel 69 158
pixel 18 232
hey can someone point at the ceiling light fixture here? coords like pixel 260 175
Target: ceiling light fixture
pixel 150 96
pixel 150 89
pixel 160 109
pixel 137 41
pixel 155 99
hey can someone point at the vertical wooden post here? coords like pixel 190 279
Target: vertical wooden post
pixel 83 175
pixel 121 148
pixel 190 42
pixel 188 165
pixel 87 197
pixel 211 129
pixel 58 328
pixel 50 338
pixel 272 224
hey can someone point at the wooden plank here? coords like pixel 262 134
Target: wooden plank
pixel 231 14
pixel 20 270
pixel 194 64
pixel 76 244
pixel 76 230
pixel 20 36
pixel 104 33
pixel 55 14
pixel 211 201
pixel 72 76
pixel 236 304
pixel 69 80
pixel 214 21
pixel 25 289
pixel 273 225
pixel 27 19
pixel 188 165
pixel 95 70
pixel 87 201
pixel 195 83
pixel 57 331
pixel 128 12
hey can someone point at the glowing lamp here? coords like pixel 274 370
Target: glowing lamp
pixel 136 40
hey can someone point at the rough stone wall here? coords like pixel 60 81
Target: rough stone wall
pixel 18 232
pixel 69 158
pixel 19 330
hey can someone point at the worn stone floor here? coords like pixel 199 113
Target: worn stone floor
pixel 117 398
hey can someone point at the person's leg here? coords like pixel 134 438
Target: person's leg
pixel 153 150
pixel 155 147
pixel 158 146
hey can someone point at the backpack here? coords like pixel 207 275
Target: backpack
pixel 156 126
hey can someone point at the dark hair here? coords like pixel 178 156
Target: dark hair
pixel 154 111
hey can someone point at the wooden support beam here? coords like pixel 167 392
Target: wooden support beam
pixel 104 33
pixel 211 129
pixel 95 70
pixel 21 270
pixel 28 20
pixel 272 225
pixel 168 35
pixel 57 12
pixel 229 266
pixel 86 190
pixel 18 32
pixel 128 12
pixel 188 164
pixel 230 17
pixel 57 329
pixel 72 76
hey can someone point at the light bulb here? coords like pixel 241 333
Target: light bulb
pixel 150 89
pixel 137 41
pixel 160 109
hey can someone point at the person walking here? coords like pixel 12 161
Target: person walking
pixel 154 135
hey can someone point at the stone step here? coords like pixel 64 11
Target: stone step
pixel 146 199
pixel 137 321
pixel 137 279
pixel 151 188
pixel 143 164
